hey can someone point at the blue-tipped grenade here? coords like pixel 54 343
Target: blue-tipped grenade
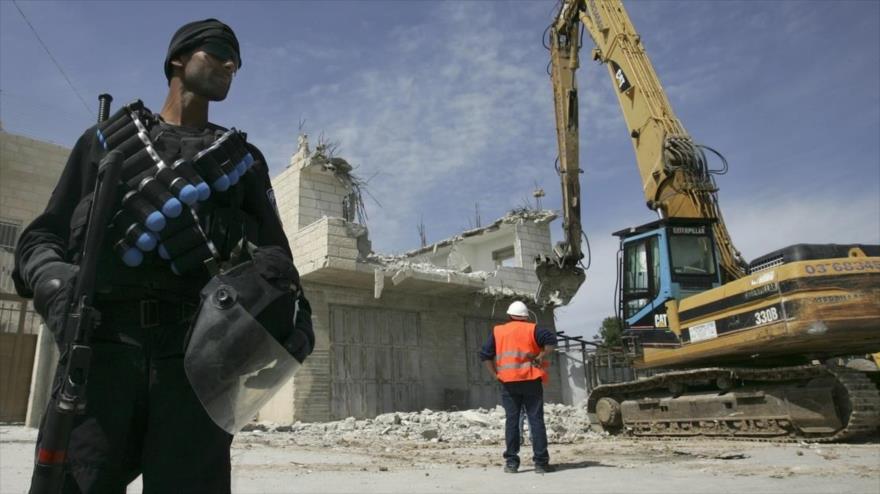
pixel 142 239
pixel 204 191
pixel 108 129
pixel 131 256
pixel 235 147
pixel 143 211
pixel 185 169
pixel 133 232
pixel 178 186
pixel 146 241
pixel 225 164
pixel 142 165
pixel 233 175
pixel 158 195
pixel 226 151
pixel 208 168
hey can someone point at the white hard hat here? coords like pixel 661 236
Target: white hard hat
pixel 518 309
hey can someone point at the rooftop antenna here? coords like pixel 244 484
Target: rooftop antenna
pixel 423 237
pixel 538 193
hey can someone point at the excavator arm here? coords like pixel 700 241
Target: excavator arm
pixel 675 174
pixel 561 275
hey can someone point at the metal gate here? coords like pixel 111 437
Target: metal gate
pixel 19 326
pixel 375 365
pixel 482 388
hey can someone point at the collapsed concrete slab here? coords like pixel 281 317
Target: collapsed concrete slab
pixel 317 195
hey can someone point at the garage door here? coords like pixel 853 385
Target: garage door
pixel 374 361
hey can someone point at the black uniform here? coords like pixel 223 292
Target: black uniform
pixel 142 415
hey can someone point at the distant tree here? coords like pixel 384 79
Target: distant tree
pixel 610 332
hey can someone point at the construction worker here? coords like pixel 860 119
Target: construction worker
pixel 516 355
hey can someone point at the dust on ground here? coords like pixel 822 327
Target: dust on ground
pixel 460 452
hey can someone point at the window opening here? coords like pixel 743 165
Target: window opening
pixel 504 257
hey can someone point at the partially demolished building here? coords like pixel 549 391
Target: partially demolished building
pixel 396 333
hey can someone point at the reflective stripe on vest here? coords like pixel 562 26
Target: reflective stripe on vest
pixel 515 349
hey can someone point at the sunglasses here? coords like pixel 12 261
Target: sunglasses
pixel 222 51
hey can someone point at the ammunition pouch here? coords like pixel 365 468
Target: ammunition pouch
pixel 157 192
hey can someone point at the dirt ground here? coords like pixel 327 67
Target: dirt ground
pixel 282 462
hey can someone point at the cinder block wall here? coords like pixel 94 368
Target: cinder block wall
pixel 532 240
pixel 29 170
pixel 305 194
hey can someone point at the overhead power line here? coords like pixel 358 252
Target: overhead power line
pixel 69 83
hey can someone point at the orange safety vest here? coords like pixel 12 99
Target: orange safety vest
pixel 515 348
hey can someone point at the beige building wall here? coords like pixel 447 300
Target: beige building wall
pixel 29 170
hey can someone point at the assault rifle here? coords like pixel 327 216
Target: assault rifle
pixel 51 458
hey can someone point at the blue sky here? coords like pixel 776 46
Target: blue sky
pixel 445 104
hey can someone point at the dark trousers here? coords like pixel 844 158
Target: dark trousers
pixel 514 397
pixel 142 417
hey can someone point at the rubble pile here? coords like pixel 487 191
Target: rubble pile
pixel 565 425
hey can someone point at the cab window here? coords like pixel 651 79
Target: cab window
pixel 692 255
pixel 641 274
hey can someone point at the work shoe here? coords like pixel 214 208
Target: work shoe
pixel 510 468
pixel 544 469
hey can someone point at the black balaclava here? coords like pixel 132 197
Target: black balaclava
pixel 197 33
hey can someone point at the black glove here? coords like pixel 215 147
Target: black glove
pixel 273 264
pixel 53 285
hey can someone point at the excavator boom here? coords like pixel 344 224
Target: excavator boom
pixel 561 276
pixel 676 179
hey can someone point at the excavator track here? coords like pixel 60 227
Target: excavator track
pixel 802 403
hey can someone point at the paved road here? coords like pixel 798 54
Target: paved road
pixel 270 463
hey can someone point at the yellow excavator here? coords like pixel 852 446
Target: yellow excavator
pixel 752 350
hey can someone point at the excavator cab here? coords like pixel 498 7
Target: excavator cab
pixel 660 261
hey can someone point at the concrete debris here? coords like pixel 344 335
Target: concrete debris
pixel 565 425
pixel 514 216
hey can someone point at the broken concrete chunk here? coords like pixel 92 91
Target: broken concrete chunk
pixel 378 282
pixel 478 419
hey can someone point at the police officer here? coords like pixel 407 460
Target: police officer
pixel 142 415
pixel 516 355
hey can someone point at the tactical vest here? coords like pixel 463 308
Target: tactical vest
pixel 218 222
